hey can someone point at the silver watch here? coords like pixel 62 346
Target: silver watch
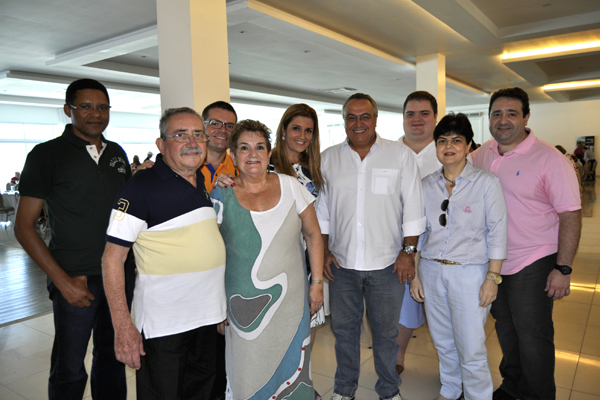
pixel 409 248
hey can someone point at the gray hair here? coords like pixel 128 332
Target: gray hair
pixel 170 112
pixel 360 96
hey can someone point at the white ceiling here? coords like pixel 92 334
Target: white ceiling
pixel 284 51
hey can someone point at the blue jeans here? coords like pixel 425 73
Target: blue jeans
pixel 523 313
pixel 73 328
pixel 383 294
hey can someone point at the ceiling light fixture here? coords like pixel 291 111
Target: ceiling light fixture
pixel 552 50
pixel 572 85
pixel 339 90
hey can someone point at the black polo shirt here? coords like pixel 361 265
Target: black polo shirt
pixel 79 194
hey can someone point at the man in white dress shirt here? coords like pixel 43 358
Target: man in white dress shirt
pixel 420 118
pixel 371 214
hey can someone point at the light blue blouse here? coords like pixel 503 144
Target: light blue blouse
pixel 476 228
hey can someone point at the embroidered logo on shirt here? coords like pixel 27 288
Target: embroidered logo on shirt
pixel 518 172
pixel 120 168
pixel 122 209
pixel 467 209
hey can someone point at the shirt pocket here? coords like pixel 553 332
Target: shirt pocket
pixel 383 181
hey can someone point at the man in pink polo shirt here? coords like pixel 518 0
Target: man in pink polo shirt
pixel 544 225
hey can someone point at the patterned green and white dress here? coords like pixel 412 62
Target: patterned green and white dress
pixel 268 337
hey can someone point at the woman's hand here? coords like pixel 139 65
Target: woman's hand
pixel 224 180
pixel 488 293
pixel 416 290
pixel 315 297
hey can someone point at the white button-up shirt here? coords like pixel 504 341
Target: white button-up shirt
pixel 368 206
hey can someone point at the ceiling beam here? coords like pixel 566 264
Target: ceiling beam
pixel 117 46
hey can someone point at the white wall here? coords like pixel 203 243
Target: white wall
pixel 562 123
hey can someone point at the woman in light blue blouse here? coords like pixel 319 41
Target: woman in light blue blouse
pixel 461 256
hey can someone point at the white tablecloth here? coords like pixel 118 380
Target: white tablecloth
pixel 10 200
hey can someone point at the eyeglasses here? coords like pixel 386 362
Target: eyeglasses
pixel 443 219
pixel 215 123
pixel 351 118
pixel 185 137
pixel 86 108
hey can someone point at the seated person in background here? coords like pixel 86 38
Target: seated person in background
pixel 579 152
pixel 15 179
pixel 461 256
pixel 136 163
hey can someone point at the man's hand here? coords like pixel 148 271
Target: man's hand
pixel 221 327
pixel 129 346
pixel 329 259
pixel 405 267
pixel 76 292
pixel 558 285
pixel 145 165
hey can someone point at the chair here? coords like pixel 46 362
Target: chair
pixel 6 210
pixel 42 227
pixel 589 171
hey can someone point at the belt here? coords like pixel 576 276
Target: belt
pixel 445 262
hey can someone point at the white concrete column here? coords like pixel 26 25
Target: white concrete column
pixel 431 76
pixel 192 49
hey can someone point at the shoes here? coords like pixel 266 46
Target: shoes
pixel 337 396
pixel 500 394
pixel 396 397
pixel 399 368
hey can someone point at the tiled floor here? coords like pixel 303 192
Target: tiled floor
pixel 25 346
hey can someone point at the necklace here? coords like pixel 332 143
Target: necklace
pixel 256 194
pixel 452 183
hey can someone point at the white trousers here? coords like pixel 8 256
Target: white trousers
pixel 456 323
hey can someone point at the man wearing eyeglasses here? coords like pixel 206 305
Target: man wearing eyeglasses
pixel 371 214
pixel 78 175
pixel 220 118
pixel 164 214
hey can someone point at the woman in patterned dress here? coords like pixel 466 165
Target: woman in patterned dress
pixel 262 217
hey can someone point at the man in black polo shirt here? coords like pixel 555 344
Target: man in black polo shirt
pixel 78 175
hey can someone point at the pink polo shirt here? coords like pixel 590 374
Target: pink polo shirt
pixel 538 184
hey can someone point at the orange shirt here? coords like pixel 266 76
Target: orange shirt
pixel 226 167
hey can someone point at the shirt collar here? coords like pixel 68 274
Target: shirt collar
pixel 375 148
pixel 75 140
pixel 467 174
pixel 165 172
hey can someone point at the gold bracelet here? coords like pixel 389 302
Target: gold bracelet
pixel 317 281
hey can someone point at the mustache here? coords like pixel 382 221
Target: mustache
pixel 191 151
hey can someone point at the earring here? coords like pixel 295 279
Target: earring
pixel 283 138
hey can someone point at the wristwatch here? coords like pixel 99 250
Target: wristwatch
pixel 494 277
pixel 409 248
pixel 564 269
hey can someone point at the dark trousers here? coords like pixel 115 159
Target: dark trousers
pixel 73 328
pixel 180 366
pixel 218 391
pixel 523 313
